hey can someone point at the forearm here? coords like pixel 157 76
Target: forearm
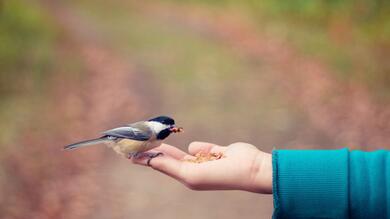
pixel 369 184
pixel 331 184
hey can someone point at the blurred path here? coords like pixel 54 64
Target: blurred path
pixel 304 80
pixel 105 69
pixel 94 182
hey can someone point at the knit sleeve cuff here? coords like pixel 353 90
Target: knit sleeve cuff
pixel 310 183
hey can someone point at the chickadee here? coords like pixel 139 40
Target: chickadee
pixel 134 139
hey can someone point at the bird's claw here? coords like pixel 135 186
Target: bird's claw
pixel 138 155
pixel 153 156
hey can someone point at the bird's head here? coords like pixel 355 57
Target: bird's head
pixel 163 126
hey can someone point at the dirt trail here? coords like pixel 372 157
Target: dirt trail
pixel 111 77
pixel 105 69
pixel 346 112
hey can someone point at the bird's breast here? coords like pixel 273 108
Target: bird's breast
pixel 126 146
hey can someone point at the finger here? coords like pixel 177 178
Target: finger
pixel 193 175
pixel 171 151
pixel 168 166
pixel 213 175
pixel 205 147
pixel 196 176
pixel 166 150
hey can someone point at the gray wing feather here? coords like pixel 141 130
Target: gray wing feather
pixel 134 131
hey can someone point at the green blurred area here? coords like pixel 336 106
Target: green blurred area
pixel 353 37
pixel 362 30
pixel 366 19
pixel 369 17
pixel 26 37
pixel 26 49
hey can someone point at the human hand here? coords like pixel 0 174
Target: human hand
pixel 243 167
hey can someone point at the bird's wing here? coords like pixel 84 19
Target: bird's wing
pixel 138 132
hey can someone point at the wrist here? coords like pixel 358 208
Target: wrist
pixel 262 173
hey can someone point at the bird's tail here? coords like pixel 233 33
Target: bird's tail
pixel 86 143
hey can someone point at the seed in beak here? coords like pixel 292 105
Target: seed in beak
pixel 176 129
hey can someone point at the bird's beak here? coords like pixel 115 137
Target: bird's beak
pixel 175 129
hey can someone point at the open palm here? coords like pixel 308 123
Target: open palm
pixel 243 167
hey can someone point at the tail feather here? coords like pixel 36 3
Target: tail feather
pixel 86 143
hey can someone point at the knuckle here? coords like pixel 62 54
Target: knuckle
pixel 241 144
pixel 193 144
pixel 238 144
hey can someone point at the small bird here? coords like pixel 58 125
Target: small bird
pixel 134 139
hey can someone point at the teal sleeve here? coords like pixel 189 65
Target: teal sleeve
pixel 369 184
pixel 331 184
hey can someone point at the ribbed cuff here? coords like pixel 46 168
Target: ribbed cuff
pixel 310 183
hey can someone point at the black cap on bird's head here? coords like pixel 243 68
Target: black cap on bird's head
pixel 170 123
pixel 164 120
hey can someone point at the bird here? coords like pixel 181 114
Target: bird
pixel 135 139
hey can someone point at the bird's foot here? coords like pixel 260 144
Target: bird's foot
pixel 133 155
pixel 148 155
pixel 153 155
pixel 139 155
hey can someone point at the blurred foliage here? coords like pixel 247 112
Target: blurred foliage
pixel 353 37
pixel 371 17
pixel 26 42
pixel 26 38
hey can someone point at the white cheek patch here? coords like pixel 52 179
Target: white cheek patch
pixel 157 127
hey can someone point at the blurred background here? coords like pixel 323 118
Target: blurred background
pixel 277 74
